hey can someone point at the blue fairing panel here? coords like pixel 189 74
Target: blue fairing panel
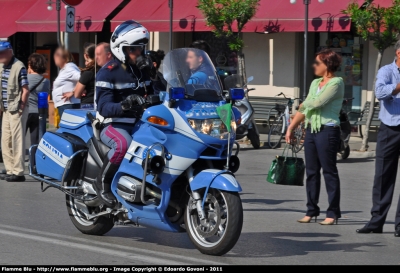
pixel 74 119
pixel 162 112
pixel 75 122
pixel 216 179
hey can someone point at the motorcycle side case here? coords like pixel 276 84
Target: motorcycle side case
pixel 54 154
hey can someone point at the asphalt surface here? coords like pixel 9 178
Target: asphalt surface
pixel 35 228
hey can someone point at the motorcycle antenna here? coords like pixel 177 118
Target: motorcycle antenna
pixel 225 113
pixel 95 70
pixel 226 167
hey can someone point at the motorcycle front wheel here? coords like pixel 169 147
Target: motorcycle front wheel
pixel 77 209
pixel 219 231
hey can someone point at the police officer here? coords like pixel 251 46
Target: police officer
pixel 121 88
pixel 201 72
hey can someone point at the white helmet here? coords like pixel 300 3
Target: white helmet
pixel 129 33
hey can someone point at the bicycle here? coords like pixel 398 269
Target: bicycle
pixel 299 134
pixel 279 123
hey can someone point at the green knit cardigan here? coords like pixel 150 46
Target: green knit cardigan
pixel 324 107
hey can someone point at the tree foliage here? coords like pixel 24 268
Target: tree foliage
pixel 228 18
pixel 379 24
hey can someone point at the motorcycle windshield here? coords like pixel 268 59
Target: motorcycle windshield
pixel 233 81
pixel 193 70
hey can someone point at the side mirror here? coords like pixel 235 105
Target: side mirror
pixel 236 93
pixel 249 79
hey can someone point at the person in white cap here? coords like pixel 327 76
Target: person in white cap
pixel 14 108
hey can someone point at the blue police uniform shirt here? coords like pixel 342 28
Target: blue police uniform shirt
pixel 386 81
pixel 114 83
pixel 200 75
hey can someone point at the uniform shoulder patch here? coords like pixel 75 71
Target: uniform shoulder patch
pixel 112 65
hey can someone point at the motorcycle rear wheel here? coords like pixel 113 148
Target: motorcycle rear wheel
pixel 254 138
pixel 219 232
pixel 345 154
pixel 97 226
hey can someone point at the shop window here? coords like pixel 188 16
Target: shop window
pixel 350 48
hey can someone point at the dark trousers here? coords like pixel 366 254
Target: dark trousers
pixel 32 125
pixel 386 165
pixel 320 152
pixel 64 107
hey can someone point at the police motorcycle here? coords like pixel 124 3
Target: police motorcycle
pixel 247 125
pixel 174 176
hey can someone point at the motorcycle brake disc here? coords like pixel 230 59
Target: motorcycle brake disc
pixel 210 225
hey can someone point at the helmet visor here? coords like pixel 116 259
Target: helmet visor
pixel 135 48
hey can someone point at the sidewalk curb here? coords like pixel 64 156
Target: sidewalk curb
pixel 243 145
pixel 353 154
pixel 358 154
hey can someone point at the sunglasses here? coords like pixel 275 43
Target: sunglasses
pixel 316 63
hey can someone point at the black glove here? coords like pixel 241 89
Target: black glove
pixel 145 63
pixel 132 102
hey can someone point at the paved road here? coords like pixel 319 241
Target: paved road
pixel 35 227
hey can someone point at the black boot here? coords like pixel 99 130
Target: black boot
pixel 102 185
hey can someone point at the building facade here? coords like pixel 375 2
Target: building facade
pixel 273 47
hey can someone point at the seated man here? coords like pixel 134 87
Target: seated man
pixel 200 72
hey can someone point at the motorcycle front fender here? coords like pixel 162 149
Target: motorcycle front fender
pixel 215 179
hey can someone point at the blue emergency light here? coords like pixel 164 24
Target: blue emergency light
pixel 177 93
pixel 236 93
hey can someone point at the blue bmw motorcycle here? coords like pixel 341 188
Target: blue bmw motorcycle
pixel 174 176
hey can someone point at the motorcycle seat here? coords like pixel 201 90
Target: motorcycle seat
pixel 101 148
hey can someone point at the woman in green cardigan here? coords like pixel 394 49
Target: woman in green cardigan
pixel 320 111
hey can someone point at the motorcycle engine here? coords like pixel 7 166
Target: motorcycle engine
pixel 129 188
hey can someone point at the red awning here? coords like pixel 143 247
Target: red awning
pixel 272 16
pixel 11 10
pixel 89 16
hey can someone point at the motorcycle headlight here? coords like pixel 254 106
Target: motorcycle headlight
pixel 212 127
